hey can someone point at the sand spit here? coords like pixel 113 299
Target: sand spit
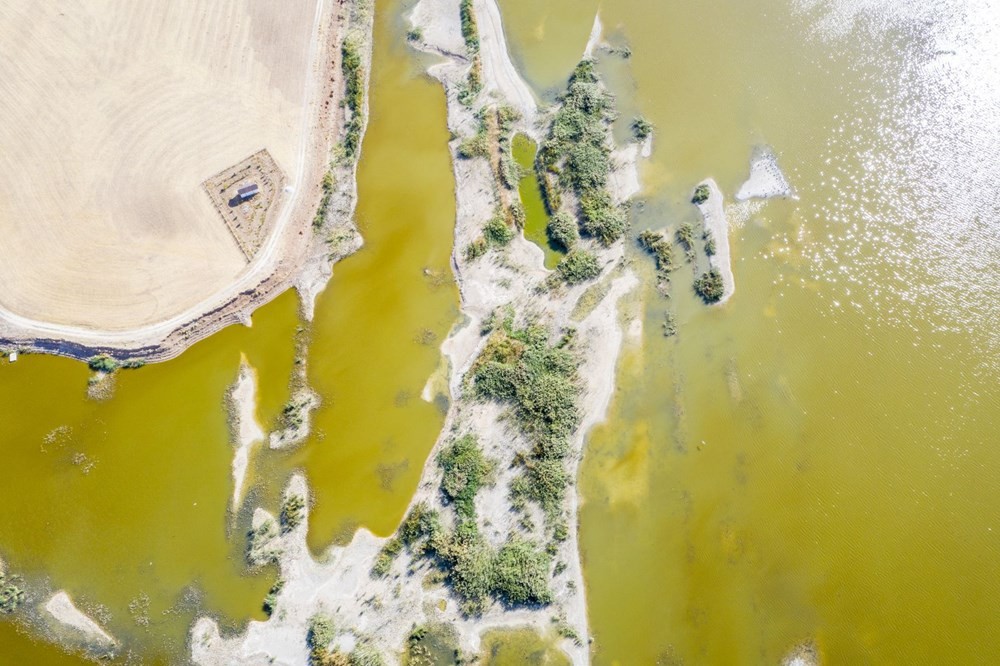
pixel 75 627
pixel 766 179
pixel 713 212
pixel 296 254
pixel 383 610
pixel 246 431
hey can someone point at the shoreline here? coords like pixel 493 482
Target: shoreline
pixel 293 255
pixel 384 609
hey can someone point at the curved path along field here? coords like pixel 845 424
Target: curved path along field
pixel 114 113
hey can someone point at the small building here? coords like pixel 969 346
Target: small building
pixel 13 356
pixel 248 192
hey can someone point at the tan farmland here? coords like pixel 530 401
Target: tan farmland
pixel 112 114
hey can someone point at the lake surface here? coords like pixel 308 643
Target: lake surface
pixel 812 461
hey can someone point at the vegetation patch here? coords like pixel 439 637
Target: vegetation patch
pixel 476 249
pixel 466 470
pixel 701 194
pixel 709 286
pixel 497 232
pixel 324 203
pixel 578 152
pixel 271 600
pixel 562 231
pixel 386 556
pixel 102 363
pixel 354 77
pixel 657 245
pixel 292 512
pixel 11 594
pixel 521 573
pixel 578 266
pixel 318 638
pixel 641 128
pixel 520 368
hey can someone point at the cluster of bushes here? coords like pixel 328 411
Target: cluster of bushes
pixel 470 33
pixel 577 150
pixel 271 600
pixel 102 363
pixel 466 470
pixel 658 246
pixel 321 633
pixel 562 231
pixel 475 146
pixel 578 266
pixel 324 202
pixel 519 367
pixel 709 286
pixel 11 595
pixel 515 574
pixel 292 512
pixel 354 77
pixel 701 194
pixel 685 236
pixel 641 128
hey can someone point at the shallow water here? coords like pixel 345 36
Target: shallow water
pixel 127 500
pixel 521 647
pixel 810 462
pixel 536 217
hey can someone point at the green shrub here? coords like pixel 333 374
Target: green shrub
pixel 709 286
pixel 519 366
pixel 685 235
pixel 421 524
pixel 415 35
pixel 385 557
pixel 476 249
pixel 354 81
pixel 292 512
pixel 544 482
pixel 517 214
pixel 324 202
pixel 469 561
pixel 506 117
pixel 701 194
pixel 579 266
pixel 659 247
pixel 320 633
pixel 102 363
pixel 510 172
pixel 562 231
pixel 496 232
pixel 521 573
pixel 602 219
pixel 365 654
pixel 271 600
pixel 710 246
pixel 641 128
pixel 11 595
pixel 587 166
pixel 470 31
pixel 466 470
pixel 476 146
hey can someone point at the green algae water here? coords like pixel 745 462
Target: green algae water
pixel 378 327
pixel 811 462
pixel 125 503
pixel 536 219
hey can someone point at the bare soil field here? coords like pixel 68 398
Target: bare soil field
pixel 114 115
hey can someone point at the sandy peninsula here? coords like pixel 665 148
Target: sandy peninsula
pixel 380 611
pixel 111 243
